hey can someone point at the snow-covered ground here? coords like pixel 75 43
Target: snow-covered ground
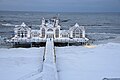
pixel 20 63
pixel 73 63
pixel 85 63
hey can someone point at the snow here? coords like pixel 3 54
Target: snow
pixel 84 63
pixel 71 40
pixel 20 63
pixel 33 39
pixel 49 66
pixel 73 63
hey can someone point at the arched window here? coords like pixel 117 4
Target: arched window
pixel 49 30
pixel 57 33
pixel 77 33
pixel 43 32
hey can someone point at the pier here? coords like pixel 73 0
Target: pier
pixel 49 61
pixel 49 28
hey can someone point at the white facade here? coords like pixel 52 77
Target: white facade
pixel 49 28
pixel 77 31
pixel 22 31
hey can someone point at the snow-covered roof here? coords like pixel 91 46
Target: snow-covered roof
pixel 50 32
pixel 64 31
pixel 77 26
pixel 35 30
pixel 23 26
pixel 49 25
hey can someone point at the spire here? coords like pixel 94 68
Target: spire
pixel 56 22
pixel 76 25
pixel 43 21
pixel 23 24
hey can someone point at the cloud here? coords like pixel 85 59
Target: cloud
pixel 61 5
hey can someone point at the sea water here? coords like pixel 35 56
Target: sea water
pixel 99 26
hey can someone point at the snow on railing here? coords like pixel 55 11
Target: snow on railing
pixel 71 40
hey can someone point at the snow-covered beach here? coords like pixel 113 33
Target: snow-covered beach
pixel 20 63
pixel 73 62
pixel 95 63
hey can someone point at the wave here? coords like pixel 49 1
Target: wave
pixel 7 24
pixel 101 36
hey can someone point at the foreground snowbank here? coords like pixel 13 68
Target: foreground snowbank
pixel 73 63
pixel 82 63
pixel 20 63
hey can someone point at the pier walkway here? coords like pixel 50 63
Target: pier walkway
pixel 49 65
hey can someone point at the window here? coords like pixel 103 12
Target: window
pixel 49 30
pixel 43 32
pixel 65 35
pixel 22 34
pixel 77 33
pixel 35 34
pixel 57 33
pixel 18 34
pixel 25 33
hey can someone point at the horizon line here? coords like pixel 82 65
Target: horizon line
pixel 62 11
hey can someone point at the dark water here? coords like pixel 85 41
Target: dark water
pixel 95 23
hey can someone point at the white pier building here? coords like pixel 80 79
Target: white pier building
pixel 50 28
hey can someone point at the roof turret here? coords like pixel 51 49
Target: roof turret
pixel 76 25
pixel 23 24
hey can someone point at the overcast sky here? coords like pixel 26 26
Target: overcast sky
pixel 61 5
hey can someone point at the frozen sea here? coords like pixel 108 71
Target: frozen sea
pixel 100 27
